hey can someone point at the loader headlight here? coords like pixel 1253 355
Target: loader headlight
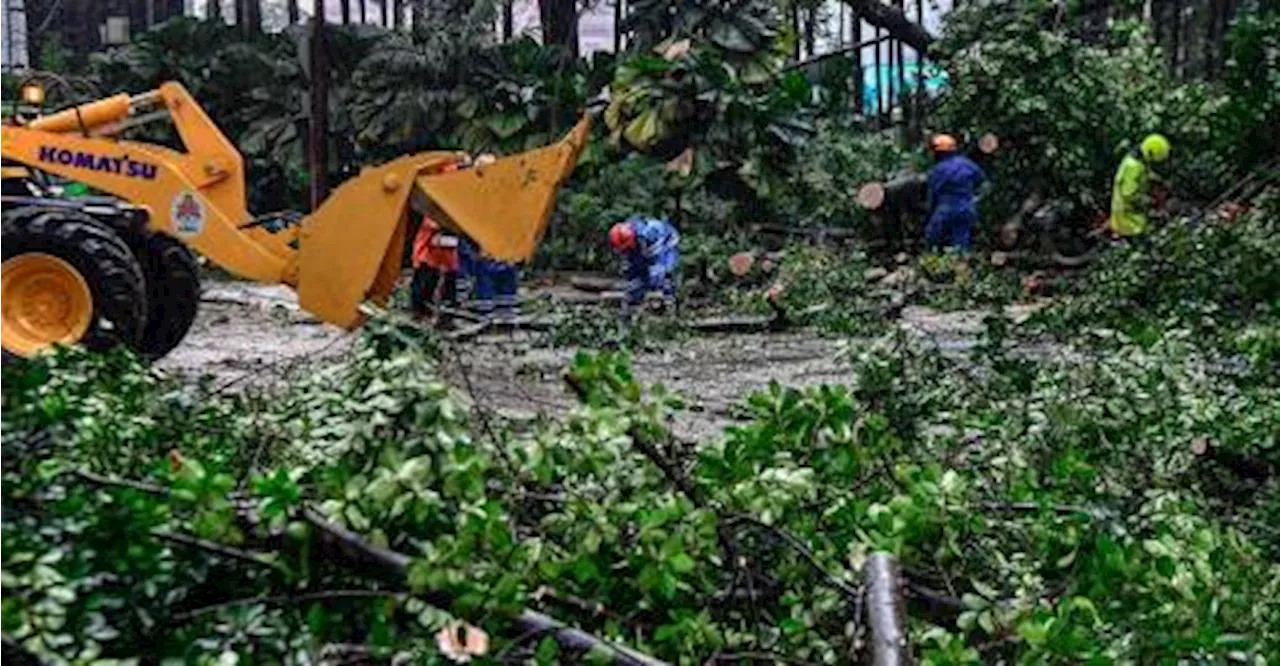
pixel 33 94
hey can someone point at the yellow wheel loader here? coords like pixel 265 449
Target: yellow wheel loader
pixel 104 271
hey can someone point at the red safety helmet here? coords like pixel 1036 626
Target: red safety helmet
pixel 622 237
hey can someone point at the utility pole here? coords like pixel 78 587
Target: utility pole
pixel 318 128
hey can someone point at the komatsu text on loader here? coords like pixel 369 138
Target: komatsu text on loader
pixel 118 269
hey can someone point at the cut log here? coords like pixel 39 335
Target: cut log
pixel 988 144
pixel 903 192
pixel 885 611
pixel 740 264
pixel 736 324
pixel 594 285
pixel 871 195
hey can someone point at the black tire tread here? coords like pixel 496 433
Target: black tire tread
pixel 115 278
pixel 173 293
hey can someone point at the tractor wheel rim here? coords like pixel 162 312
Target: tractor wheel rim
pixel 43 301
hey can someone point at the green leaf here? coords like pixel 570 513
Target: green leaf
pixel 508 125
pixel 681 563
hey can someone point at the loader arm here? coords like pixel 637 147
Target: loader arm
pixel 348 250
pixel 196 196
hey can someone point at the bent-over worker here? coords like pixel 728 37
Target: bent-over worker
pixel 435 265
pixel 652 249
pixel 953 196
pixel 1131 198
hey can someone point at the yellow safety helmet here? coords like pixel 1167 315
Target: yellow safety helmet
pixel 1155 148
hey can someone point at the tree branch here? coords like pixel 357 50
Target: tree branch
pixel 893 20
pixel 394 567
pixel 212 547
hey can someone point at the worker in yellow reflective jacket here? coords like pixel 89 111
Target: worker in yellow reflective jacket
pixel 1131 191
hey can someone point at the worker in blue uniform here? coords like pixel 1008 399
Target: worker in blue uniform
pixel 953 195
pixel 494 285
pixel 652 250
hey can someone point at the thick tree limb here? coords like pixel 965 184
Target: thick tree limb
pixel 885 612
pixel 342 545
pixel 394 568
pixel 894 21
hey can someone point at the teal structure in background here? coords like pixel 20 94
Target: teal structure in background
pixel 886 83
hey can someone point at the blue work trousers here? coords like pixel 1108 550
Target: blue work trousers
pixel 655 275
pixel 951 227
pixel 496 288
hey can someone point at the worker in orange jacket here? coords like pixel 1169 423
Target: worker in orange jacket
pixel 435 267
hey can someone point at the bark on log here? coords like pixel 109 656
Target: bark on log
pixel 885 612
pixel 894 21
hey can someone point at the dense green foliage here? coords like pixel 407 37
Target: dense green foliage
pixel 1098 503
pixel 1214 279
pixel 756 143
pixel 1100 486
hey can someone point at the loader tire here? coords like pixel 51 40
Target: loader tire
pixel 173 293
pixel 86 252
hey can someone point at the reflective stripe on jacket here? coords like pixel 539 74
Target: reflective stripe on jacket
pixel 434 248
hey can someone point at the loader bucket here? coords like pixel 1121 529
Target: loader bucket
pixel 350 249
pixel 505 206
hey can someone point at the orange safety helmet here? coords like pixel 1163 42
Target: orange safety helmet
pixel 943 143
pixel 622 237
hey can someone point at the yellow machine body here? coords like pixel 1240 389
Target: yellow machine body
pixel 347 251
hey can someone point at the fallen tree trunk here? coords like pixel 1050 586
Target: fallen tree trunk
pixel 339 545
pixel 894 21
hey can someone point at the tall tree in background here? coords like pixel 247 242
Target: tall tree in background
pixel 318 93
pixel 345 5
pixel 254 15
pixel 364 11
pixel 560 23
pixel 419 9
pixel 249 16
pixel 214 9
pixel 294 14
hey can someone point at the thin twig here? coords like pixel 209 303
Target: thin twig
pixel 846 589
pixel 100 480
pixel 212 547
